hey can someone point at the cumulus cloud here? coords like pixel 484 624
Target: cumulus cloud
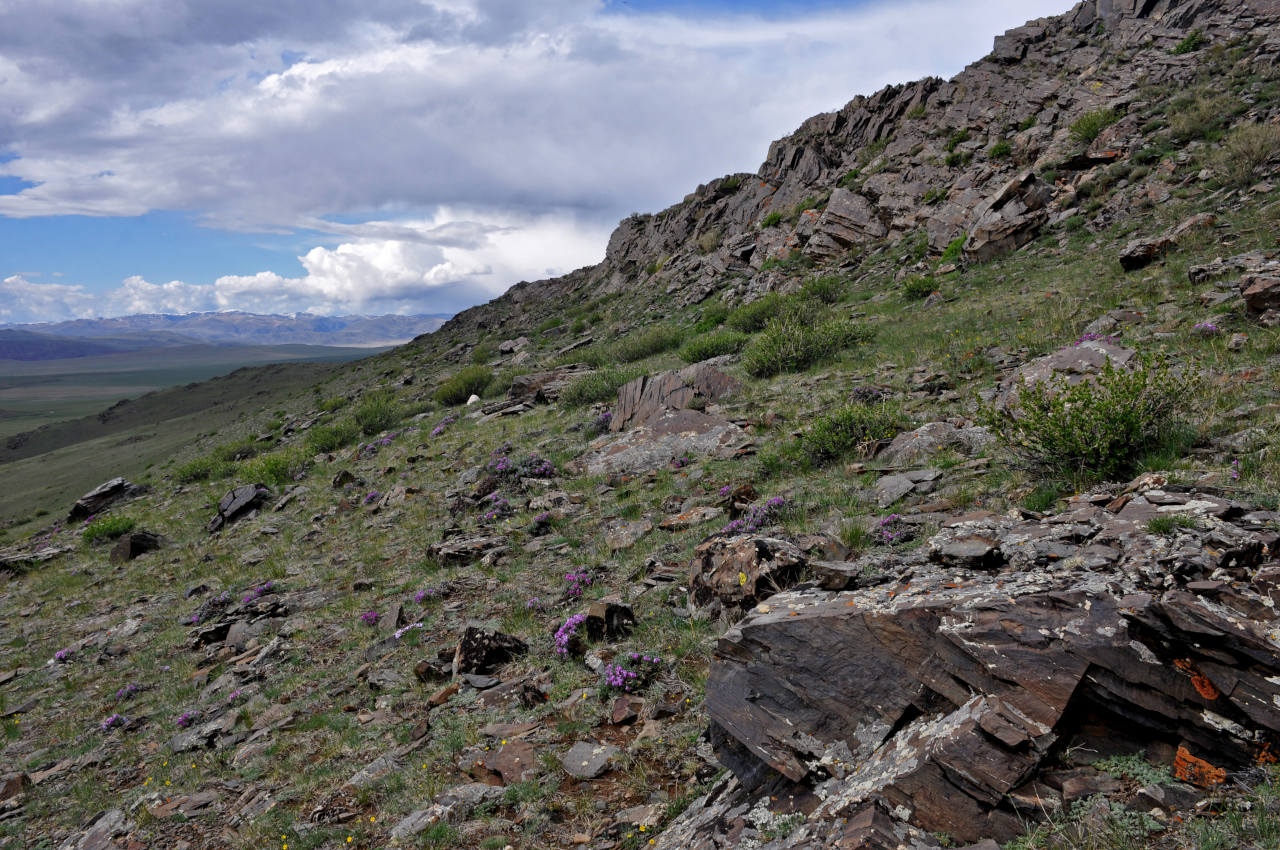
pixel 294 114
pixel 401 267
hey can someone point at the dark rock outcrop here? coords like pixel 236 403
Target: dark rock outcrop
pixel 483 650
pixel 647 397
pixel 102 496
pixel 136 543
pixel 237 504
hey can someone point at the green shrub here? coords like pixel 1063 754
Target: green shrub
pixel 1090 125
pixel 854 429
pixel 1245 150
pixel 329 405
pixel 917 288
pixel 1167 524
pixel 709 241
pixel 713 345
pixel 238 450
pixel 547 324
pixel 933 196
pixel 850 179
pixel 322 439
pixel 730 184
pixel 955 159
pixel 752 317
pixel 826 289
pixel 377 412
pixel 646 343
pixel 713 316
pixel 1193 42
pixel 1096 429
pixel 1028 122
pixel 1000 150
pixel 579 325
pixel 954 251
pixel 1201 117
pixel 794 341
pixel 107 528
pixel 484 352
pixel 957 138
pixel 597 387
pixel 465 383
pixel 203 469
pixel 773 219
pixel 282 467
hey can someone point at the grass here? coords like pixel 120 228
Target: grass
pixel 466 382
pixel 794 341
pixel 107 528
pixel 713 345
pixel 601 386
pixel 1090 125
pixel 646 343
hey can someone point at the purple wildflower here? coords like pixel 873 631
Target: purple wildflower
pixel 566 632
pixel 126 692
pixel 370 618
pixel 115 721
pixel 62 656
pixel 578 581
pixel 187 718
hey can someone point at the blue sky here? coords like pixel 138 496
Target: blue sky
pixel 377 156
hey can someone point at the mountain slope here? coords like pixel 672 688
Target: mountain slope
pixel 810 551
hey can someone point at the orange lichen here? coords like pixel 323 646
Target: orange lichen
pixel 1197 771
pixel 1199 681
pixel 1265 756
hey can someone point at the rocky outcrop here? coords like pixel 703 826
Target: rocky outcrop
pixel 135 544
pixel 102 497
pixel 1070 365
pixel 647 397
pixel 238 503
pixel 1010 218
pixel 951 691
pixel 736 572
pixel 672 438
pixel 1261 293
pixel 1143 252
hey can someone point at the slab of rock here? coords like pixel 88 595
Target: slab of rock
pixel 515 761
pixel 646 397
pixel 945 696
pixel 451 806
pixel 101 832
pixel 688 519
pixel 670 435
pixel 545 387
pixel 133 544
pixel 891 488
pixel 849 219
pixel 911 446
pixel 466 550
pixel 737 572
pixel 102 496
pixel 1010 218
pixel 483 650
pixel 1140 253
pixel 237 504
pixel 1072 364
pixel 623 534
pixel 1261 294
pixel 588 760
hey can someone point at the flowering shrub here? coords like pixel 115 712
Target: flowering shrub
pixel 534 604
pixel 126 692
pixel 1206 329
pixel 498 506
pixel 371 496
pixel 403 630
pixel 565 634
pixel 578 581
pixel 620 678
pixel 529 466
pixel 115 721
pixel 424 594
pixel 890 530
pixel 601 423
pixel 756 517
pixel 1097 428
pixel 63 656
pixel 370 618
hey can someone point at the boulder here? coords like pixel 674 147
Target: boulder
pixel 451 806
pixel 587 760
pixel 1261 293
pixel 668 437
pixel 946 696
pixel 1072 364
pixel 100 497
pixel 238 503
pixel 929 439
pixel 484 650
pixel 623 534
pixel 136 543
pixel 737 572
pixel 467 550
pixel 647 397
pixel 545 387
pixel 1143 252
pixel 1010 218
pixel 849 219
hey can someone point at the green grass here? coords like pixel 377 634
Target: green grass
pixel 646 343
pixel 466 382
pixel 713 345
pixel 107 528
pixel 601 386
pixel 1090 125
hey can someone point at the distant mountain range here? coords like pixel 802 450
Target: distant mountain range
pixel 90 337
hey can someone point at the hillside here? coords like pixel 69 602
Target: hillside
pixel 918 490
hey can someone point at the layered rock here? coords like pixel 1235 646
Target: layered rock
pixel 946 692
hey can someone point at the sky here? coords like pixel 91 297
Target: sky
pixel 400 156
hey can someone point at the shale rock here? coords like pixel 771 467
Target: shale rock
pixel 645 398
pixel 238 503
pixel 737 572
pixel 483 651
pixel 136 543
pixel 102 496
pixel 664 439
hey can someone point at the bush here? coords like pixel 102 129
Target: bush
pixel 1090 125
pixel 917 288
pixel 953 251
pixel 1201 117
pixel 752 317
pixel 239 450
pixel 794 341
pixel 712 317
pixel 856 428
pixel 547 324
pixel 467 382
pixel 203 469
pixel 107 528
pixel 377 412
pixel 826 289
pixel 597 387
pixel 329 405
pixel 773 219
pixel 1245 150
pixel 1000 150
pixel 713 345
pixel 282 467
pixel 646 343
pixel 1096 429
pixel 322 439
pixel 484 352
pixel 1193 42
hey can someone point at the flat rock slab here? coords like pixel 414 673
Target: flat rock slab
pixel 237 504
pixel 587 760
pixel 671 435
pixel 646 397
pixel 134 544
pixel 737 572
pixel 1071 364
pixel 458 551
pixel 623 534
pixel 102 496
pixel 688 519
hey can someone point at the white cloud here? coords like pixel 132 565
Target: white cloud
pixel 431 266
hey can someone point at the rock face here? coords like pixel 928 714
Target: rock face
pixel 1261 294
pixel 1144 252
pixel 646 398
pixel 102 496
pixel 664 440
pixel 136 543
pixel 947 691
pixel 483 651
pixel 736 572
pixel 238 503
pixel 543 387
pixel 1010 218
pixel 1072 364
